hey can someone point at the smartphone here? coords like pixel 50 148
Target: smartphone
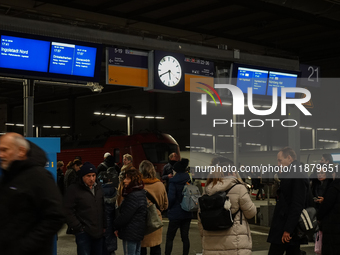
pixel 315 198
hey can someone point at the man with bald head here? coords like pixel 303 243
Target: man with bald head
pixel 31 210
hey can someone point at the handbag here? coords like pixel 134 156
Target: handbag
pixel 318 243
pixel 153 221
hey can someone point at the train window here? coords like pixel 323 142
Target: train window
pixel 159 152
pixel 116 155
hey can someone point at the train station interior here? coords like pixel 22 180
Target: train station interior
pixel 128 92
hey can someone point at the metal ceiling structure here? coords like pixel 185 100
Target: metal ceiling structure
pixel 303 30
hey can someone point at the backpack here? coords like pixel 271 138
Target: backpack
pixel 213 215
pixel 109 176
pixel 191 194
pixel 109 181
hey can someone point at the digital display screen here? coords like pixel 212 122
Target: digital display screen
pixel 263 79
pixel 38 56
pixel 24 54
pixel 254 78
pixel 72 59
pixel 281 80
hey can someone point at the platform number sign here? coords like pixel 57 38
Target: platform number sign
pixel 310 76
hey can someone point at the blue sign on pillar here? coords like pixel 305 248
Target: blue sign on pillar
pixel 51 146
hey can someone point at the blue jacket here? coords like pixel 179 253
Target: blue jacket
pixel 176 185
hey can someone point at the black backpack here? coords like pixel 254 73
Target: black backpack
pixel 213 215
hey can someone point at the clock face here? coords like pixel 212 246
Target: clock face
pixel 169 71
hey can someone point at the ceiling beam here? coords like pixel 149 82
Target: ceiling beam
pixel 108 5
pixel 155 7
pixel 220 18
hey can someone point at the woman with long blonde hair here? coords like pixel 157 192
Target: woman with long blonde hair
pixel 156 189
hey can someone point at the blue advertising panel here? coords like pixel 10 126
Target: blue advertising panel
pixel 281 80
pixel 24 54
pixel 51 146
pixel 253 78
pixel 72 59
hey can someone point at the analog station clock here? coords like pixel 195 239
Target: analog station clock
pixel 169 71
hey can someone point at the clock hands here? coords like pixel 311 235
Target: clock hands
pixel 173 75
pixel 165 73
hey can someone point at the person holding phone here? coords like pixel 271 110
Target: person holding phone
pixel 320 186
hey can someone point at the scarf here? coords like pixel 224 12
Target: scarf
pixel 150 181
pixel 129 189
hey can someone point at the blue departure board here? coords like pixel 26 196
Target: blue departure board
pixel 263 79
pixel 253 78
pixel 72 59
pixel 281 80
pixel 24 54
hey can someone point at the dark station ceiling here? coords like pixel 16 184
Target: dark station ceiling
pixel 306 30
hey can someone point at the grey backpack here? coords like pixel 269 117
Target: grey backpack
pixel 191 194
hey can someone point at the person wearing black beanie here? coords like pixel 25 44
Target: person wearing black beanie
pixel 178 218
pixel 84 211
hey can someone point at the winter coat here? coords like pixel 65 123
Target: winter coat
pixel 292 197
pixel 108 162
pixel 132 217
pixel 329 216
pixel 85 211
pixel 319 189
pixel 70 178
pixel 176 185
pixel 31 210
pixel 237 239
pixel 155 188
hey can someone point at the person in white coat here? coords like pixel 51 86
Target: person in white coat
pixel 237 239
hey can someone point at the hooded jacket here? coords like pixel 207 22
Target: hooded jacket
pixel 85 211
pixel 30 206
pixel 237 239
pixel 176 185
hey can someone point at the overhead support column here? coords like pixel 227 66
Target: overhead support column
pixel 235 140
pixel 294 132
pixel 28 107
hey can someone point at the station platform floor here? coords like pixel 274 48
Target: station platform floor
pixel 66 243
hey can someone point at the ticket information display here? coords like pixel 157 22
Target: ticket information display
pixel 72 59
pixel 38 56
pixel 24 54
pixel 281 80
pixel 262 80
pixel 254 78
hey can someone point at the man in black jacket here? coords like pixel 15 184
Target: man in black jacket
pixel 31 210
pixel 291 201
pixel 84 210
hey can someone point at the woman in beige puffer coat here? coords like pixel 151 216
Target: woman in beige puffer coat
pixel 237 239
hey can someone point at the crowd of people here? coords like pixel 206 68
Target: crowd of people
pixel 103 203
